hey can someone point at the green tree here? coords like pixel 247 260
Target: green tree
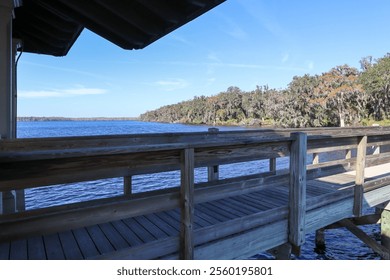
pixel 376 81
pixel 344 97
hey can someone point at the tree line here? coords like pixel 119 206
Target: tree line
pixel 342 96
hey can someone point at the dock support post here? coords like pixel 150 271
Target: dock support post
pixel 282 252
pixel 320 240
pixel 297 191
pixel 385 227
pixel 127 185
pixel 359 180
pixel 187 205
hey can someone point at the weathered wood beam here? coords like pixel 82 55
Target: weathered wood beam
pixel 320 240
pixel 385 227
pixel 272 165
pixel 213 173
pixel 281 252
pixel 359 181
pixel 377 248
pixel 297 190
pixel 187 205
pixel 127 185
pixel 43 221
pixel 264 222
pixel 360 221
pixel 375 184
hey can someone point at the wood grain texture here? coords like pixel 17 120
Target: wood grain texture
pixel 187 205
pixel 359 181
pixel 297 189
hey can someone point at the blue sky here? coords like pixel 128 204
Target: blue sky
pixel 240 43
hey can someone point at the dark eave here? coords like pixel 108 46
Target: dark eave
pixel 52 26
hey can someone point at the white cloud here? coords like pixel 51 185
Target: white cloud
pixel 60 92
pixel 172 84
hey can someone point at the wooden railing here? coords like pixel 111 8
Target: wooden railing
pixel 31 163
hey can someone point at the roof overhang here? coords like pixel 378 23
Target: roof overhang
pixel 52 26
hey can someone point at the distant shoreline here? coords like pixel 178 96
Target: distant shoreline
pixel 40 119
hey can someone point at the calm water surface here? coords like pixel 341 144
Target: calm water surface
pixel 340 243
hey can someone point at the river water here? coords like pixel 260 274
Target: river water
pixel 340 244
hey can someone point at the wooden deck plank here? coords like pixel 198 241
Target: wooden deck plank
pixel 18 250
pixel 150 227
pixel 85 242
pixel 264 199
pixel 115 238
pixel 242 202
pixel 127 233
pixel 70 246
pixel 100 240
pixel 53 247
pixel 105 238
pixel 175 214
pixel 236 206
pixel 139 230
pixel 163 224
pixel 211 211
pixel 174 223
pixel 339 179
pixel 203 213
pixel 4 250
pixel 255 200
pixel 36 248
pixel 213 206
pixel 315 190
pixel 200 218
pixel 228 207
pixel 324 186
pixel 279 197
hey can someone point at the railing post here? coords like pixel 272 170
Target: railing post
pixel 127 185
pixel 213 171
pixel 348 155
pixel 8 202
pixel 20 200
pixel 272 165
pixel 187 205
pixel 297 191
pixel 359 180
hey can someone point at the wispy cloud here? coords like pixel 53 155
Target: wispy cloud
pixel 181 40
pixel 60 92
pixel 172 84
pixel 285 57
pixel 310 64
pixel 233 29
pixel 68 70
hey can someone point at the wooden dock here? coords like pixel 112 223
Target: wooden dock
pixel 219 219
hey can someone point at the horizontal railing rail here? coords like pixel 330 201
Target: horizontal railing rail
pixel 31 163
